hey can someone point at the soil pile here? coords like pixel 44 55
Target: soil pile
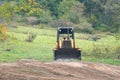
pixel 35 70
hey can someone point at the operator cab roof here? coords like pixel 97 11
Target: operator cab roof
pixel 65 30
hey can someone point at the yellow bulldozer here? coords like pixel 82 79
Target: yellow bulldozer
pixel 65 45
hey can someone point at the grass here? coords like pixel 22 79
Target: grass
pixel 41 47
pixel 102 60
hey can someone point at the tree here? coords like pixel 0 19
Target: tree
pixel 103 14
pixel 71 10
pixel 50 5
pixel 6 15
pixel 3 31
pixel 28 8
pixel 6 12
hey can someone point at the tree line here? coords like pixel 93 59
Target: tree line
pixel 85 15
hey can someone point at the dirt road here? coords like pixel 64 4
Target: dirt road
pixel 35 70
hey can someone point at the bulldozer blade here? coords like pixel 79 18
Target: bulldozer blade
pixel 67 53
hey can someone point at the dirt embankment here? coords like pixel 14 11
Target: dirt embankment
pixel 35 70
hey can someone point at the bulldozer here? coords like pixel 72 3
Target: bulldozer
pixel 65 45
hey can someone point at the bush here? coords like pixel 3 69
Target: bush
pixel 102 27
pixel 32 20
pixel 31 37
pixel 106 28
pixel 95 37
pixel 2 20
pixel 3 31
pixel 117 35
pixel 61 23
pixel 103 51
pixel 45 18
pixel 117 52
pixel 84 27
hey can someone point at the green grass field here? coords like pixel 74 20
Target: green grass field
pixel 104 50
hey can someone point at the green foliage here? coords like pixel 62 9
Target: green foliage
pixel 45 17
pixel 6 11
pixel 117 35
pixel 28 8
pixel 102 15
pixel 103 12
pixel 50 5
pixel 117 51
pixel 32 20
pixel 103 51
pixel 102 60
pixel 31 37
pixel 71 10
pixel 32 8
pixel 3 32
pixel 84 27
pixel 61 23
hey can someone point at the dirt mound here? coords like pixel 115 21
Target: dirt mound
pixel 35 70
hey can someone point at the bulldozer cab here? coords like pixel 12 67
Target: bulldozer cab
pixel 65 32
pixel 64 37
pixel 65 45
